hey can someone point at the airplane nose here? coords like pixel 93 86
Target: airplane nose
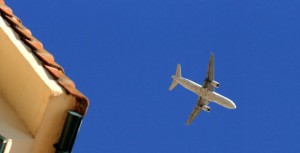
pixel 233 106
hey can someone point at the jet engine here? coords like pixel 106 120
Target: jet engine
pixel 205 108
pixel 215 84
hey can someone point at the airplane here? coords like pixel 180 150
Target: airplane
pixel 206 92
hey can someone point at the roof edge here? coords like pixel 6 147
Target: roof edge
pixel 82 102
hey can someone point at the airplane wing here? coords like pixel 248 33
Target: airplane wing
pixel 201 101
pixel 210 74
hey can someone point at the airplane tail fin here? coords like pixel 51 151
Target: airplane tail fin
pixel 177 74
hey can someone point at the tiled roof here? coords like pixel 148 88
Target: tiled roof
pixel 47 59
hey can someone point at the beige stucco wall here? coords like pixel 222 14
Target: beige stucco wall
pixel 36 105
pixel 23 81
pixel 53 122
pixel 11 127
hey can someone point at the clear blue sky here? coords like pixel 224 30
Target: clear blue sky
pixel 121 54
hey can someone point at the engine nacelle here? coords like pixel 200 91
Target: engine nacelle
pixel 215 83
pixel 205 108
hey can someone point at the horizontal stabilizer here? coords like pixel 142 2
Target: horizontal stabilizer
pixel 177 74
pixel 173 85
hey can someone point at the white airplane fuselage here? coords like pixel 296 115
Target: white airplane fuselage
pixel 206 94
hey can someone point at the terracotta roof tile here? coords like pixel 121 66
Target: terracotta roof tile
pixel 50 65
pixel 5 9
pixel 48 58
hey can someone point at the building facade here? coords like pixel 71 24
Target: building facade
pixel 40 108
